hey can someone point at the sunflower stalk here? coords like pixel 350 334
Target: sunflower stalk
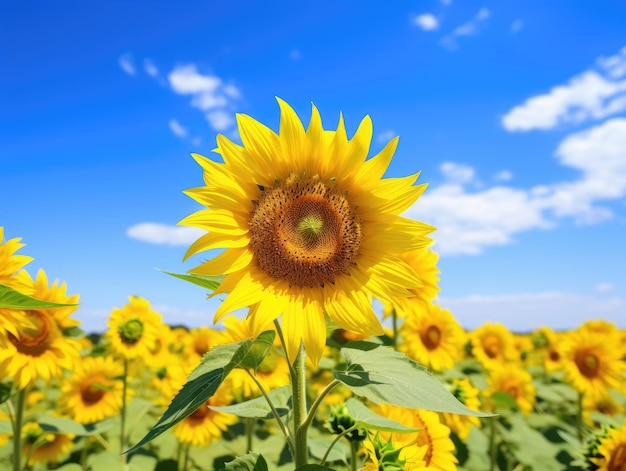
pixel 300 413
pixel 17 429
pixel 124 457
pixel 335 440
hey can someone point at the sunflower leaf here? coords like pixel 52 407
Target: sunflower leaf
pixel 313 467
pixel 385 376
pixel 209 282
pixel 203 382
pixel 12 299
pixel 365 418
pixel 259 408
pixel 248 462
pixel 64 425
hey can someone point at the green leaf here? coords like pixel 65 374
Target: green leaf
pixel 339 452
pixel 5 427
pixel 314 467
pixel 63 425
pixel 248 462
pixel 12 299
pixel 203 382
pixel 259 408
pixel 209 282
pixel 365 418
pixel 261 347
pixel 504 400
pixel 5 392
pixel 385 376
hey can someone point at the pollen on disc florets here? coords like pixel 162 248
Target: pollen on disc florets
pixel 304 231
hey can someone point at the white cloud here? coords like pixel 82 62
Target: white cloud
pixel 426 21
pixel 385 136
pixel 446 2
pixel 470 28
pixel 126 63
pixel 615 66
pixel 150 68
pixel 208 93
pixel 528 311
pixel 503 176
pixel 468 222
pixel 177 128
pixel 589 95
pixel 162 234
pixel 457 173
pixel 220 120
pixel 516 26
pixel 605 287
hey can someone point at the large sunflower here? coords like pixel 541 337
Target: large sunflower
pixel 612 451
pixel 309 226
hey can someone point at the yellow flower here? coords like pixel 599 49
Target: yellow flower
pixel 309 227
pixel 612 451
pixel 602 402
pixel 592 362
pixel 548 345
pixel 492 345
pixel 40 350
pixel 430 448
pixel 168 380
pixel 432 336
pixel 514 381
pixel 200 341
pixel 468 395
pixel 133 329
pixel 49 447
pixel 94 390
pixel 205 425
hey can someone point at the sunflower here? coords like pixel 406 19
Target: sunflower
pixel 592 362
pixel 205 425
pixel 547 344
pixel 492 345
pixel 168 380
pixel 463 390
pixel 309 226
pixel 133 329
pixel 94 390
pixel 432 336
pixel 40 350
pixel 200 341
pixel 612 451
pixel 430 448
pixel 515 382
pixel 49 447
pixel 603 402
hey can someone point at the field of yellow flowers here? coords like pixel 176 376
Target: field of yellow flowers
pixel 82 399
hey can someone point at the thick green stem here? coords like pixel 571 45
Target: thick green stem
pixel 492 443
pixel 250 424
pixel 579 417
pixel 354 456
pixel 123 413
pixel 394 323
pixel 329 387
pixel 300 413
pixel 17 430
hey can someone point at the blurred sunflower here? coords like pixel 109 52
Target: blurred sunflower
pixel 515 382
pixel 612 451
pixel 548 345
pixel 94 390
pixel 467 394
pixel 309 227
pixel 161 351
pixel 605 403
pixel 40 350
pixel 492 345
pixel 168 380
pixel 200 341
pixel 133 329
pixel 430 448
pixel 432 336
pixel 48 447
pixel 205 425
pixel 592 362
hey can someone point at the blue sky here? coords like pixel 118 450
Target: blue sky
pixel 514 111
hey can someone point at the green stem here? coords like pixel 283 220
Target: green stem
pixel 492 443
pixel 329 387
pixel 250 423
pixel 336 439
pixel 394 323
pixel 186 457
pixel 123 413
pixel 354 448
pixel 268 399
pixel 279 331
pixel 17 430
pixel 298 384
pixel 579 417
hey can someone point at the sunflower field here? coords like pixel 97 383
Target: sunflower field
pixel 313 377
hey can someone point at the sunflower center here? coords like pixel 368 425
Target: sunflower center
pixel 588 364
pixel 92 393
pixel 491 345
pixel 304 232
pixel 431 337
pixel 617 461
pixel 200 413
pixel 35 339
pixel 131 330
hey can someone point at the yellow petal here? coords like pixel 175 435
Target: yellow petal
pixel 245 293
pixel 314 336
pixel 263 314
pixel 216 240
pixel 216 220
pixel 292 326
pixel 230 261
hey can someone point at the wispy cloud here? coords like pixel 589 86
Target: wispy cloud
pixel 208 93
pixel 150 69
pixel 605 287
pixel 385 136
pixel 127 64
pixel 426 21
pixel 162 234
pixel 528 311
pixel 591 95
pixel 516 26
pixel 503 176
pixel 177 128
pixel 470 221
pixel 471 28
